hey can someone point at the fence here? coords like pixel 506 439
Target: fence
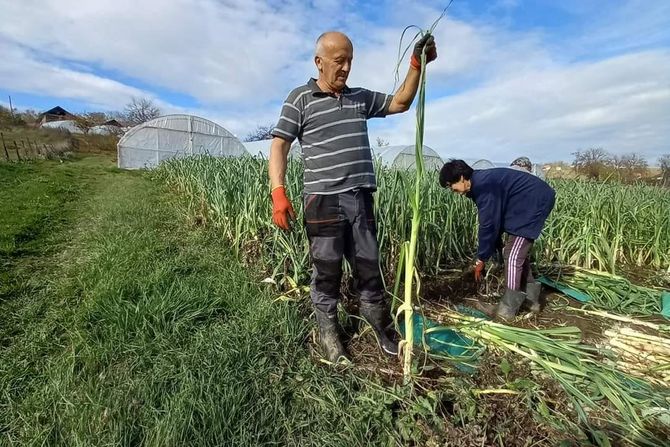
pixel 27 149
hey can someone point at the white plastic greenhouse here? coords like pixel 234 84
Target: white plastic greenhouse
pixel 261 149
pixel 146 145
pixel 482 164
pixel 402 157
pixel 68 125
pixel 486 164
pixel 104 129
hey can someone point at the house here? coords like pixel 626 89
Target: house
pixel 112 122
pixel 56 114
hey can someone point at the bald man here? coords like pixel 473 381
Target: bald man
pixel 330 121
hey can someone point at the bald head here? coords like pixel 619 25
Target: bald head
pixel 334 53
pixel 332 41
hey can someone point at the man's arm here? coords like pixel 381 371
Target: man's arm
pixel 404 96
pixel 282 210
pixel 279 150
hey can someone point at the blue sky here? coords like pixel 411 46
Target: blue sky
pixel 513 77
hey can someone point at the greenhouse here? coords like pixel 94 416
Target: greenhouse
pixel 146 145
pixel 482 164
pixel 63 125
pixel 402 157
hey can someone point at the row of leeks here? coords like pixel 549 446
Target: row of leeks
pixel 235 197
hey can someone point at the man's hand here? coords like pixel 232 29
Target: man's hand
pixel 479 269
pixel 282 209
pixel 427 41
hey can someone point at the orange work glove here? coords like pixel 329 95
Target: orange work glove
pixel 427 41
pixel 479 269
pixel 282 209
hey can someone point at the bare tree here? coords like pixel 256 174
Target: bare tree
pixel 140 110
pixel 630 167
pixel 592 162
pixel 664 163
pixel 381 142
pixel 261 132
pixel 95 117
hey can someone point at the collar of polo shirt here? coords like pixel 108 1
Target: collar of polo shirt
pixel 316 90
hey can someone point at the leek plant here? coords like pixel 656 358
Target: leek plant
pixel 584 229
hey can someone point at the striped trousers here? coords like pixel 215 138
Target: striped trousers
pixel 517 262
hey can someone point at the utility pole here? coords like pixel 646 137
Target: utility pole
pixel 11 109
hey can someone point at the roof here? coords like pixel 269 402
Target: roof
pixel 111 123
pixel 58 110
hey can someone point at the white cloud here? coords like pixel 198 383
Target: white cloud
pixel 621 104
pixel 22 72
pixel 515 91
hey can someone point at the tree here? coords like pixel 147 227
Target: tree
pixel 630 167
pixel 664 163
pixel 140 110
pixel 592 162
pixel 95 117
pixel 7 118
pixel 262 132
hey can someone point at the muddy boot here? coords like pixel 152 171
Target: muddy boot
pixel 507 308
pixel 510 304
pixel 533 296
pixel 329 336
pixel 379 317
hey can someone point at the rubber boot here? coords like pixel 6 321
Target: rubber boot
pixel 510 304
pixel 329 336
pixel 507 308
pixel 379 317
pixel 533 296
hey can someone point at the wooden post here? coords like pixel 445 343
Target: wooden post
pixel 4 145
pixel 16 148
pixel 26 152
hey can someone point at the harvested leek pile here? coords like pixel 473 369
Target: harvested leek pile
pixel 607 291
pixel 605 398
pixel 639 354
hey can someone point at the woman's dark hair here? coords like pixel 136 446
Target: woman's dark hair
pixel 452 171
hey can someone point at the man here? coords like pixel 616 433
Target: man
pixel 330 121
pixel 522 163
pixel 510 201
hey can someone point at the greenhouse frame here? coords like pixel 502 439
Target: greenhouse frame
pixel 169 136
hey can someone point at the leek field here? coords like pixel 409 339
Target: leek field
pixel 163 308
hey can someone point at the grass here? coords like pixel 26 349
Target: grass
pixel 128 318
pixel 123 323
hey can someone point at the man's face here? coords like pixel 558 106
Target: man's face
pixel 460 187
pixel 334 66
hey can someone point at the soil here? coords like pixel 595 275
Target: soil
pixel 490 418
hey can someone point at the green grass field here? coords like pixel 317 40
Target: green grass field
pixel 122 323
pixel 128 317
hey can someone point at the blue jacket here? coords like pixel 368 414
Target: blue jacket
pixel 509 201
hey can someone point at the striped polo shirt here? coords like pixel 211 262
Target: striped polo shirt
pixel 333 134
